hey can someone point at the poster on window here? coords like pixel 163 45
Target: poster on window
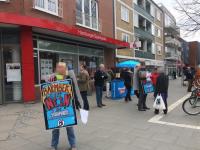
pixel 58 104
pixel 46 68
pixel 13 72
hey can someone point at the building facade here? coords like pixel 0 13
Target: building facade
pixel 194 54
pixel 148 27
pixel 36 34
pixel 123 20
pixel 172 43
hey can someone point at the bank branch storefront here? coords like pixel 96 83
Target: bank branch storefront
pixel 31 47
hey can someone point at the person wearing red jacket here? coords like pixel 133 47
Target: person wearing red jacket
pixel 154 76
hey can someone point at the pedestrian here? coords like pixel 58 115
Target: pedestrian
pixel 142 79
pixel 154 77
pixel 174 75
pixel 127 77
pixel 83 83
pixel 190 78
pixel 61 74
pixel 100 76
pixel 161 88
pixel 136 82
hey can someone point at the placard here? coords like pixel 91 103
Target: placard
pixel 58 104
pixel 13 72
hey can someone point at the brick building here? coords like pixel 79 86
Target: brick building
pixel 35 34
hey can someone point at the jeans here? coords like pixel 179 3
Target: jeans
pixel 99 95
pixel 142 100
pixel 128 94
pixel 85 100
pixel 70 134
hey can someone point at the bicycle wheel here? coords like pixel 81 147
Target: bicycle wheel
pixel 191 106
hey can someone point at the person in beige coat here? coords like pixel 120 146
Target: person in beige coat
pixel 83 82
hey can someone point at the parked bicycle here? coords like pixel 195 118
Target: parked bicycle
pixel 191 105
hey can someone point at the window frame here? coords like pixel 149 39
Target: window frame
pixel 83 24
pixel 46 9
pixel 127 37
pixel 125 14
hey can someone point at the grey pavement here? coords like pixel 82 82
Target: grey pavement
pixel 118 126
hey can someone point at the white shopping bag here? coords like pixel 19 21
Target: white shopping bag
pixel 159 103
pixel 84 116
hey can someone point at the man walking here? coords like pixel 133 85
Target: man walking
pixel 100 76
pixel 127 77
pixel 142 80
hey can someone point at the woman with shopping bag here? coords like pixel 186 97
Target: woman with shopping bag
pixel 161 92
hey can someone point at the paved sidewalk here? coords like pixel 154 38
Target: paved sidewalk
pixel 118 126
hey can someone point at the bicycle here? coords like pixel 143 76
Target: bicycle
pixel 191 105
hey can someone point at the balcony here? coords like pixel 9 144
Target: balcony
pixel 87 21
pixel 141 10
pixel 51 7
pixel 143 33
pixel 172 42
pixel 144 54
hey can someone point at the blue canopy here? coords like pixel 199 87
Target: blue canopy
pixel 128 64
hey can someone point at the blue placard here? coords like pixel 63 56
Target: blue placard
pixel 58 104
pixel 148 87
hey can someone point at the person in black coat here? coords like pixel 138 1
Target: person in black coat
pixel 100 76
pixel 161 88
pixel 127 77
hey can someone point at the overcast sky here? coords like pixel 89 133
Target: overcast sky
pixel 170 4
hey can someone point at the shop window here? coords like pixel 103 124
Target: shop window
pixel 87 14
pixel 49 6
pixel 124 14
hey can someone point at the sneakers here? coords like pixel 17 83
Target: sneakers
pixel 53 148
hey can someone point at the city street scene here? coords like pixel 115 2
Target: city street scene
pixel 99 74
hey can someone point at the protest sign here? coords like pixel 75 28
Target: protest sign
pixel 58 104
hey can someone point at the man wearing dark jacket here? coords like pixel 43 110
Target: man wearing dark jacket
pixel 142 80
pixel 161 88
pixel 100 77
pixel 127 77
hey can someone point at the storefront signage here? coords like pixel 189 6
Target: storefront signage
pixel 91 35
pixel 58 104
pixel 13 72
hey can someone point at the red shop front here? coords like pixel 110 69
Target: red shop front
pixel 21 86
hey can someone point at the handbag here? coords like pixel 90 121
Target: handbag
pixel 159 103
pixel 148 87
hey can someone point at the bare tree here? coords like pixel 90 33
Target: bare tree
pixel 190 10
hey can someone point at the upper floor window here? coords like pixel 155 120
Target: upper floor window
pixel 87 14
pixel 125 37
pixel 158 15
pixel 49 6
pixel 124 13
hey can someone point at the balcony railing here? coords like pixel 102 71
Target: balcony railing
pixel 87 21
pixel 173 42
pixel 143 33
pixel 144 54
pixel 51 7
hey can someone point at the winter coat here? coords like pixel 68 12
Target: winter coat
pixel 162 84
pixel 83 81
pixel 100 78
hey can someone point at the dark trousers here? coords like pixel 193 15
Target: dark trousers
pixel 137 94
pixel 85 100
pixel 164 96
pixel 99 95
pixel 190 85
pixel 128 94
pixel 142 100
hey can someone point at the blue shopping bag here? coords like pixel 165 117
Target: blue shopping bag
pixel 148 87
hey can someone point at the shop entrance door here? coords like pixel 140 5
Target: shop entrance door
pixel 10 66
